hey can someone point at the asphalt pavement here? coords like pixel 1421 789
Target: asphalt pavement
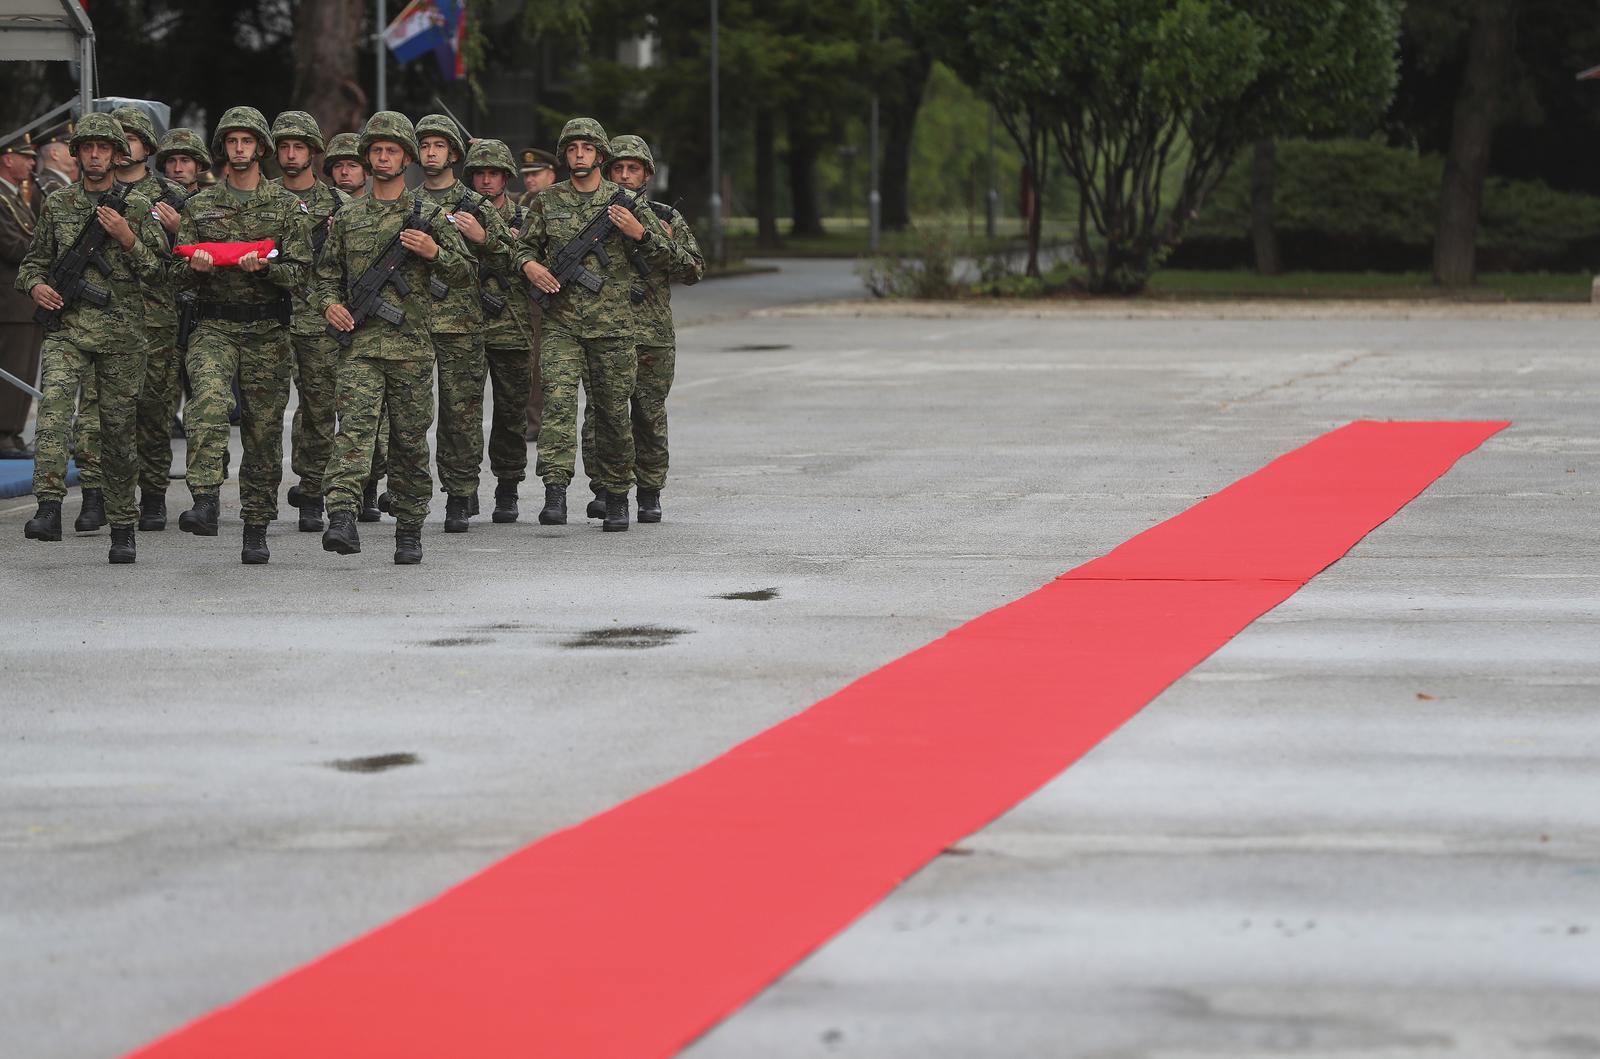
pixel 1368 826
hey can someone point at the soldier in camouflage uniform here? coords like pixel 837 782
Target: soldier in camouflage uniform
pixel 508 334
pixel 243 327
pixel 388 369
pixel 631 167
pixel 342 165
pixel 582 330
pixel 298 140
pixel 105 343
pixel 182 157
pixel 161 332
pixel 457 319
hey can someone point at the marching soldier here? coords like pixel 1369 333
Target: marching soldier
pixel 298 140
pixel 388 368
pixel 182 157
pixel 507 335
pixel 538 173
pixel 582 329
pixel 632 166
pixel 457 320
pixel 19 337
pixel 100 324
pixel 242 326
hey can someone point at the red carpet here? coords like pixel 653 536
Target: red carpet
pixel 637 930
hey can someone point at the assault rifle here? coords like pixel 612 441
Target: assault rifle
pixel 67 277
pixel 366 293
pixel 319 234
pixel 569 267
pixel 495 304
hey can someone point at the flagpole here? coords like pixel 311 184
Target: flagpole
pixel 382 58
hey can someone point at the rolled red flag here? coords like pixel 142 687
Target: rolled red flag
pixel 226 254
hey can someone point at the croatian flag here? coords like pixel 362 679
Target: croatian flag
pixel 424 26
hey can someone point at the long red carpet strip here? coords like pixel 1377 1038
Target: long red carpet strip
pixel 635 931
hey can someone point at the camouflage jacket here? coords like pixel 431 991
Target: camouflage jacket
pixel 119 327
pixel 215 215
pixel 360 232
pixel 321 202
pixel 162 314
pixel 513 329
pixel 556 215
pixel 461 311
pixel 655 310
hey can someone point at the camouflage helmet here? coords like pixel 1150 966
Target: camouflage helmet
pixel 389 125
pixel 297 125
pixel 99 127
pixel 183 141
pixel 632 147
pixel 584 129
pixel 136 122
pixel 242 119
pixel 344 147
pixel 443 125
pixel 491 154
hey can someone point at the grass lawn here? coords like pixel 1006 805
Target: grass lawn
pixel 1494 286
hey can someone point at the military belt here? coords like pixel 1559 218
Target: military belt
pixel 246 313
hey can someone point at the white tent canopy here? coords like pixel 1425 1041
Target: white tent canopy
pixel 50 30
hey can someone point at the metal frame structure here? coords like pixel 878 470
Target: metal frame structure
pixel 50 31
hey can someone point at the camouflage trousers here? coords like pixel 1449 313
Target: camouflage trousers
pixel 400 394
pixel 116 378
pixel 462 371
pixel 606 366
pixel 380 448
pixel 216 351
pixel 511 380
pixel 158 404
pixel 316 359
pixel 86 433
pixel 648 413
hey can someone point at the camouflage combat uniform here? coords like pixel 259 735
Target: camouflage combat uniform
pixel 508 337
pixel 106 344
pixel 658 342
pixel 243 327
pixel 581 330
pixel 456 324
pixel 316 355
pixel 388 368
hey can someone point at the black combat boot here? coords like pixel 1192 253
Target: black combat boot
pixel 341 536
pixel 383 503
pixel 407 545
pixel 554 512
pixel 310 514
pixel 505 501
pixel 201 520
pixel 472 505
pixel 296 497
pixel 597 506
pixel 649 505
pixel 123 550
pixel 369 504
pixel 455 515
pixel 152 511
pixel 255 551
pixel 45 525
pixel 616 513
pixel 92 515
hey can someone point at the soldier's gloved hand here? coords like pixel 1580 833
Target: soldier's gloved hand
pixel 201 261
pixel 419 243
pixel 541 277
pixel 169 217
pixel 627 223
pixel 340 317
pixel 116 225
pixel 45 297
pixel 469 227
pixel 667 228
pixel 252 262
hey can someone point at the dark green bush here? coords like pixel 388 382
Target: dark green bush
pixel 1351 205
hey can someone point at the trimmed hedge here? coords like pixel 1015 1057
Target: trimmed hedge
pixel 1355 205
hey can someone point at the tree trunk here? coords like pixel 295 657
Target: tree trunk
pixel 1031 205
pixel 1263 177
pixel 1477 111
pixel 766 181
pixel 899 114
pixel 327 51
pixel 803 150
